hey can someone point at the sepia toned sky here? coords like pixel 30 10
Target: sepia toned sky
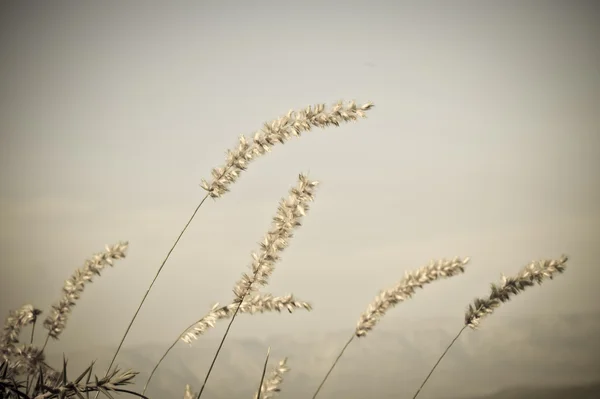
pixel 484 142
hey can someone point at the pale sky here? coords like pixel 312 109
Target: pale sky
pixel 484 142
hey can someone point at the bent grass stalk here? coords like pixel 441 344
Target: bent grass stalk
pixel 35 313
pixel 277 131
pixel 402 291
pixel 150 287
pixel 270 386
pixel 288 217
pixel 262 377
pixel 535 272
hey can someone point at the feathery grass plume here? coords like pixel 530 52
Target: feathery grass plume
pixel 278 131
pixel 405 289
pixel 16 320
pixel 258 303
pixel 270 386
pixel 402 291
pixel 56 321
pixel 535 272
pixel 287 218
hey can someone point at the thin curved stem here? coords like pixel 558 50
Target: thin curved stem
pixel 333 366
pixel 262 377
pixel 151 285
pixel 221 345
pixel 130 392
pixel 237 309
pixel 169 350
pixel 46 341
pixel 27 386
pixel 439 360
pixel 159 362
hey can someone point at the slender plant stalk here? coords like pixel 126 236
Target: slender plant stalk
pixel 333 365
pixel 32 330
pixel 400 292
pixel 46 342
pixel 27 386
pixel 439 360
pixel 535 272
pixel 277 131
pixel 270 386
pixel 288 217
pixel 212 364
pixel 262 377
pixel 150 287
pixel 167 352
pixel 159 362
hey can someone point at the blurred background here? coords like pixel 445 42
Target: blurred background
pixel 484 142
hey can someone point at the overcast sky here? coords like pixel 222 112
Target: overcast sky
pixel 484 142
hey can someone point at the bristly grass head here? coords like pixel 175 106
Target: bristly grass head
pixel 56 321
pixel 16 320
pixel 289 217
pixel 278 131
pixel 535 272
pixel 405 288
pixel 257 303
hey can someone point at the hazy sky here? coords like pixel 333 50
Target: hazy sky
pixel 484 142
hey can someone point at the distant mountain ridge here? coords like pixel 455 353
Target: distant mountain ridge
pixel 562 352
